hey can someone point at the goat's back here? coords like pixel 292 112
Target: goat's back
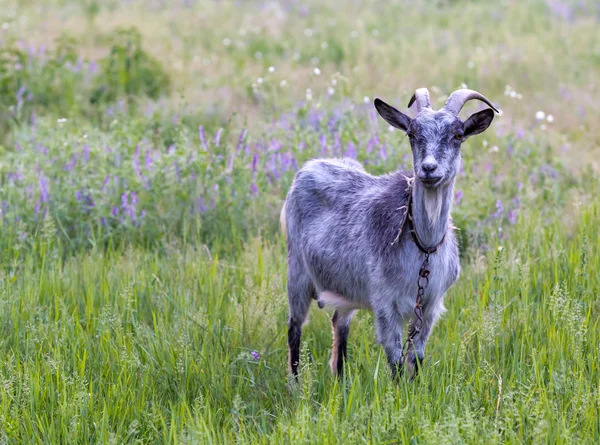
pixel 338 216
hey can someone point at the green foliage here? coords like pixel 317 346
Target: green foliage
pixel 129 71
pixel 37 83
pixel 60 82
pixel 142 272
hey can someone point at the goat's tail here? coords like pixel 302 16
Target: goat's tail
pixel 282 221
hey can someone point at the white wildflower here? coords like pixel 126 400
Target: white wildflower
pixel 540 115
pixel 271 69
pixel 550 118
pixel 317 71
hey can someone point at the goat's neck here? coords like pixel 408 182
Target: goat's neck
pixel 431 212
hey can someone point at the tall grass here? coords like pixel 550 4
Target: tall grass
pixel 142 275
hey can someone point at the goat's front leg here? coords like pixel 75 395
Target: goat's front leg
pixel 389 335
pixel 417 350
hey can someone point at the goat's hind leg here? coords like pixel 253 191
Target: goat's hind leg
pixel 300 292
pixel 340 323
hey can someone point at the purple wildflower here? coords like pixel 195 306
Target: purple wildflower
pixel 148 160
pixel 229 168
pixel 44 193
pixel 254 188
pixel 218 137
pixel 255 355
pixel 86 152
pixel 201 207
pixel 202 137
pixel 323 141
pixel 351 151
pixel 241 140
pixel 383 153
pixel 458 197
pixel 338 142
pixel 512 217
pixel 499 209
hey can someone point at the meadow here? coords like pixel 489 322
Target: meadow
pixel 146 148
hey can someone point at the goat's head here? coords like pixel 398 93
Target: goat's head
pixel 436 136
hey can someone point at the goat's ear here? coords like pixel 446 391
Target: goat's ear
pixel 392 116
pixel 478 122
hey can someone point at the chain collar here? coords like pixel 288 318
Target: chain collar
pixel 422 281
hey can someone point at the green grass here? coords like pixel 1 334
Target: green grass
pixel 142 274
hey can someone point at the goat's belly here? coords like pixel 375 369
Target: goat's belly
pixel 339 302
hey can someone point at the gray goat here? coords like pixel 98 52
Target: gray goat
pixel 346 245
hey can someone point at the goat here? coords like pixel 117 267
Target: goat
pixel 345 240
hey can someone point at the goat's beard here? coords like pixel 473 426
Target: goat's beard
pixel 433 200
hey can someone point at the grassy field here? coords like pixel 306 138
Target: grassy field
pixel 145 151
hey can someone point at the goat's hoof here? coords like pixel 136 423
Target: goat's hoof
pixel 413 366
pixel 397 371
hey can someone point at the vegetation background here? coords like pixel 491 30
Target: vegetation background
pixel 145 151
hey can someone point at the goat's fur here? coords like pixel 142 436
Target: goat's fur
pixel 346 248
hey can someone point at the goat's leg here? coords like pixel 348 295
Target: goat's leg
pixel 417 349
pixel 389 335
pixel 300 292
pixel 340 323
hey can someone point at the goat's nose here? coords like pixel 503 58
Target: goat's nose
pixel 429 167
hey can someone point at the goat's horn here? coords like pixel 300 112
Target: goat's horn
pixel 458 99
pixel 421 96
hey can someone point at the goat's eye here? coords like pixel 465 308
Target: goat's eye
pixel 457 137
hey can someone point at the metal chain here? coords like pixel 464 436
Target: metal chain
pixel 422 283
